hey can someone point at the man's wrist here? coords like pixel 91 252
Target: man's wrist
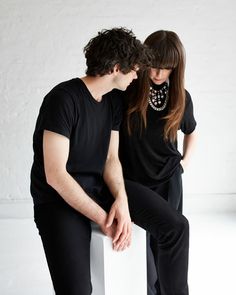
pixel 101 218
pixel 121 196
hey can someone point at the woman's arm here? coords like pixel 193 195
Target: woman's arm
pixel 189 144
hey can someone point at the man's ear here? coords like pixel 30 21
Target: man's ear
pixel 116 68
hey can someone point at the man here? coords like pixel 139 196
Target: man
pixel 76 175
pixel 75 147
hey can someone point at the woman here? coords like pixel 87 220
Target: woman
pixel 157 107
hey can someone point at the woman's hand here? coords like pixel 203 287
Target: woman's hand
pixel 183 164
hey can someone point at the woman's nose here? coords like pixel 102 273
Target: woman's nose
pixel 159 73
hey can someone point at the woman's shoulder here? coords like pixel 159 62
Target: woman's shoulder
pixel 187 94
pixel 188 98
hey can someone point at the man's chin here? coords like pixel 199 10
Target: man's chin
pixel 122 88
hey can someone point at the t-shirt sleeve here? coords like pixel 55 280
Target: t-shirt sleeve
pixel 188 123
pixel 117 109
pixel 58 113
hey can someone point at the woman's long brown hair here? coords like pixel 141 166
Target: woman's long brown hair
pixel 168 53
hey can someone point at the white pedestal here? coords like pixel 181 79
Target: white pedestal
pixel 118 273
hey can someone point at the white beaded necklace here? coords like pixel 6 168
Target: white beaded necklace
pixel 158 98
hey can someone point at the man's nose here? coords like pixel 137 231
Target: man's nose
pixel 135 76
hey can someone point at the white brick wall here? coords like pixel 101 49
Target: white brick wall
pixel 41 45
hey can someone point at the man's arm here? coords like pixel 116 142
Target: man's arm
pixel 119 211
pixel 55 152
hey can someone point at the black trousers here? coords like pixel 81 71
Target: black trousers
pixel 172 192
pixel 65 234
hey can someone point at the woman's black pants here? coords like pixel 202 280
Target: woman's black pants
pixel 172 192
pixel 65 234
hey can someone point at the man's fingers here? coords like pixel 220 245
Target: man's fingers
pixel 125 244
pixel 110 218
pixel 118 232
pixel 129 229
pixel 123 235
pixel 122 238
pixel 128 241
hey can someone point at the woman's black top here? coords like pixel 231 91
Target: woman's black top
pixel 146 157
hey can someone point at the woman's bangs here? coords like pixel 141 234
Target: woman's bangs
pixel 166 59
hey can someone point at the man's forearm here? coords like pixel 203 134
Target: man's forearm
pixel 76 197
pixel 113 177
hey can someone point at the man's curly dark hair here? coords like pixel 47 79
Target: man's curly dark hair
pixel 115 46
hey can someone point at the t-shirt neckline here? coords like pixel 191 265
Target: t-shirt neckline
pixel 91 98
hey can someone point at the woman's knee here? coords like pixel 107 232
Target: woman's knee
pixel 182 226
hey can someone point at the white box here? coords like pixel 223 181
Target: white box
pixel 118 273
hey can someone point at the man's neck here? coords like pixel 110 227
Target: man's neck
pixel 98 86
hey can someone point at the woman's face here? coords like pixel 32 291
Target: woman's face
pixel 159 76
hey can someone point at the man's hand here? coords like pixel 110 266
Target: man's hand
pixel 119 214
pixel 108 231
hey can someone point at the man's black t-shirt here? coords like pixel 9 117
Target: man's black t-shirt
pixel 70 110
pixel 146 157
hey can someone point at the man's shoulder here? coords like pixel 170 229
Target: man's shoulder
pixel 63 95
pixel 70 86
pixel 117 96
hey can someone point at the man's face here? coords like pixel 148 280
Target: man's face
pixel 122 81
